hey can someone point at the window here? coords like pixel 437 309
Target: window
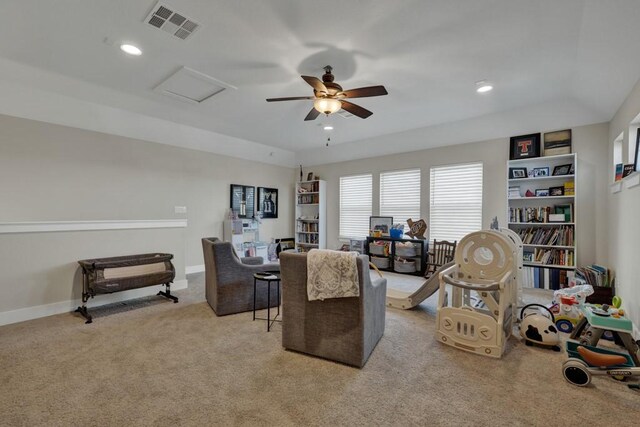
pixel 355 205
pixel 456 201
pixel 400 195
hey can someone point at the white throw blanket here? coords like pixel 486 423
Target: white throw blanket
pixel 331 274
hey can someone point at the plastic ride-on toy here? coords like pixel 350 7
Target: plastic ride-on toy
pixel 585 361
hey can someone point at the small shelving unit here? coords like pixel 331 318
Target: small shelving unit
pixel 311 215
pixel 549 246
pixel 390 255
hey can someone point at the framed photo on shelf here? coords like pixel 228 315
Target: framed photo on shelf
pixel 242 200
pixel 542 192
pixel 538 172
pixel 380 223
pixel 517 173
pixel 562 170
pixel 524 146
pixel 558 142
pixel 310 176
pixel 268 202
pixel 556 191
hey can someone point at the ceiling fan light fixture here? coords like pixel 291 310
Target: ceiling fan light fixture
pixel 327 105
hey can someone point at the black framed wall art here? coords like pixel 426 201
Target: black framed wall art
pixel 524 146
pixel 242 201
pixel 268 202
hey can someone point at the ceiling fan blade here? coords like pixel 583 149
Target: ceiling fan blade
pixel 292 98
pixel 363 92
pixel 313 114
pixel 315 83
pixel 356 110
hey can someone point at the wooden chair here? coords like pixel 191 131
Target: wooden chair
pixel 441 253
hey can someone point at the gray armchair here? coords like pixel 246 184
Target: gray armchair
pixel 229 279
pixel 342 329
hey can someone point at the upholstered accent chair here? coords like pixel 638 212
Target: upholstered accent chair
pixel 345 330
pixel 229 279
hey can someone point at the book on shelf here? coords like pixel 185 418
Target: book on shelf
pixel 308 187
pixel 595 275
pixel 307 199
pixel 546 278
pixel 540 213
pixel 569 188
pixel 551 256
pixel 559 236
pixel 308 238
pixel 307 227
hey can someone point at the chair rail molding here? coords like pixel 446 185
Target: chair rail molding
pixel 56 226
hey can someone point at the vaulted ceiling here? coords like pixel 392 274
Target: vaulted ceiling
pixel 550 61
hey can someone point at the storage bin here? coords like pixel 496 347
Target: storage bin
pixel 378 250
pixel 380 262
pixel 404 266
pixel 396 233
pixel 405 250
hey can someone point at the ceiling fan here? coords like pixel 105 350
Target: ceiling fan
pixel 329 96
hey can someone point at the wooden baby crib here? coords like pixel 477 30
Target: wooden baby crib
pixel 115 274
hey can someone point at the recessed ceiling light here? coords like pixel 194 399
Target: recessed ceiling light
pixel 131 49
pixel 328 127
pixel 483 86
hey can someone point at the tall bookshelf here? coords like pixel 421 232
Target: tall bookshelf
pixel 550 250
pixel 311 215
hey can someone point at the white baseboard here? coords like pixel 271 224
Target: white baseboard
pixel 35 312
pixel 190 269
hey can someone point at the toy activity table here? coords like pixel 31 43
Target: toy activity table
pixel 599 323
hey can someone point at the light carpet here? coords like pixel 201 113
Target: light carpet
pixel 151 362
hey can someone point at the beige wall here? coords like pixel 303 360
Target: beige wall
pixel 624 226
pixel 57 173
pixel 588 141
pixel 41 268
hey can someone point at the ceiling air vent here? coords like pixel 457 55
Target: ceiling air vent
pixel 165 17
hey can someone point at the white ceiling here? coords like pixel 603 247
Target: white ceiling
pixel 574 59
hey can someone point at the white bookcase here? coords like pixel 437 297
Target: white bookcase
pixel 311 215
pixel 549 244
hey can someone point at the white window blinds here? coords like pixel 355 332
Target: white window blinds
pixel 355 205
pixel 400 195
pixel 456 201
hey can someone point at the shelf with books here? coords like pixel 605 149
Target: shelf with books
pixel 536 264
pixel 311 222
pixel 547 246
pixel 542 178
pixel 540 197
pixel 541 208
pixel 551 224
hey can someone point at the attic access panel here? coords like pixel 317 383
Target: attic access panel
pixel 191 86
